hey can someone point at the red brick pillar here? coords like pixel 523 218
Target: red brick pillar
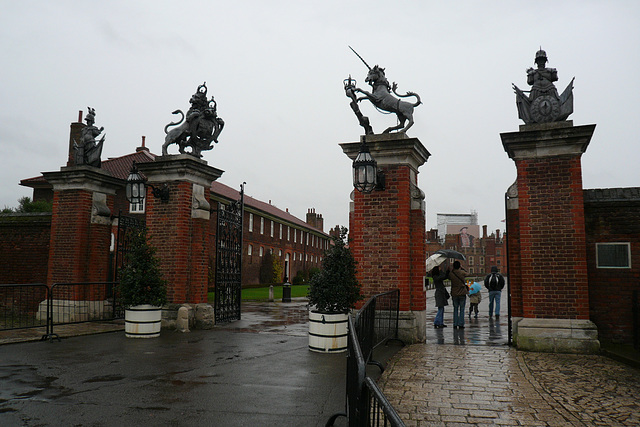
pixel 387 229
pixel 179 228
pixel 552 244
pixel 83 197
pixel 513 245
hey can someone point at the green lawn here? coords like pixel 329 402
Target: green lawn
pixel 262 294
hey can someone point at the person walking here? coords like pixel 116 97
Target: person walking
pixel 494 283
pixel 441 295
pixel 459 293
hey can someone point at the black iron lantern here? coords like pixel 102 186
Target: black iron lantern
pixel 366 176
pixel 135 187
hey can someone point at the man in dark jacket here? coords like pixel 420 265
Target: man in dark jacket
pixel 494 283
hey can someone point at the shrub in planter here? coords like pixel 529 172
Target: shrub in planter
pixel 140 279
pixel 142 289
pixel 335 289
pixel 332 292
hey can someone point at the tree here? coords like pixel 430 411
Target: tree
pixel 25 205
pixel 141 281
pixel 335 289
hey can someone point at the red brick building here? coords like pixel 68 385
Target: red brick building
pixel 25 242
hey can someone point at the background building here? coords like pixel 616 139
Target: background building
pixel 297 245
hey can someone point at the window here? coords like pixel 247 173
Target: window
pixel 137 207
pixel 288 233
pixel 272 227
pixel 471 262
pixel 295 236
pixel 613 255
pixel 280 231
pixel 250 222
pixel 498 252
pixel 261 251
pixel 261 225
pixel 280 252
pixel 249 250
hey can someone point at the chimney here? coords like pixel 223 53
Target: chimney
pixel 75 136
pixel 144 146
pixel 484 231
pixel 498 235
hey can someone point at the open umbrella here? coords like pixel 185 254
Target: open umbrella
pixel 450 253
pixel 435 260
pixel 474 288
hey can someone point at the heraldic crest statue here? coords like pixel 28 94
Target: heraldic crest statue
pixel 381 98
pixel 198 128
pixel 88 151
pixel 543 104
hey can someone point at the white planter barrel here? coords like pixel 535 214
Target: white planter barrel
pixel 142 321
pixel 328 332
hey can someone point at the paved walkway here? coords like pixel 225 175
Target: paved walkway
pixel 258 371
pixel 473 379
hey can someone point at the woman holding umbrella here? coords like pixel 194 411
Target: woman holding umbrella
pixel 441 295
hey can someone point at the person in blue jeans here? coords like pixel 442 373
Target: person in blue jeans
pixel 441 295
pixel 494 283
pixel 459 293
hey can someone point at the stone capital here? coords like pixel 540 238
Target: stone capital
pixel 547 140
pixel 390 149
pixel 87 178
pixel 181 167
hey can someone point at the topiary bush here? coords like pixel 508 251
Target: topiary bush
pixel 141 281
pixel 335 289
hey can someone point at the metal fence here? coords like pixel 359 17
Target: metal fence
pixel 23 306
pixel 377 322
pixel 366 405
pixel 37 305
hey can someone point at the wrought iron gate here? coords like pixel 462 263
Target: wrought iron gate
pixel 127 225
pixel 229 261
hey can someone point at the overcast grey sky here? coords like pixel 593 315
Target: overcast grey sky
pixel 276 70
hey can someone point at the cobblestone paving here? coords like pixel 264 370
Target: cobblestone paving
pixel 454 385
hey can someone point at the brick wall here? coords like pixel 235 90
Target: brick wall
pixel 613 215
pixel 381 226
pixel 552 238
pixel 24 247
pixel 69 236
pixel 169 226
pixel 515 269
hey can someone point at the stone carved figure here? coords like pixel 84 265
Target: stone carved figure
pixel 197 128
pixel 381 97
pixel 543 104
pixel 88 152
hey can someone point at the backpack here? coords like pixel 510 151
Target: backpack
pixel 494 282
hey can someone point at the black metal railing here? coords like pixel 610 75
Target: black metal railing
pixel 37 305
pixel 366 404
pixel 377 322
pixel 23 306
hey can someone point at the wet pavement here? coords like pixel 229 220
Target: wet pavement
pixel 481 330
pixel 473 378
pixel 259 372
pixel 255 372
